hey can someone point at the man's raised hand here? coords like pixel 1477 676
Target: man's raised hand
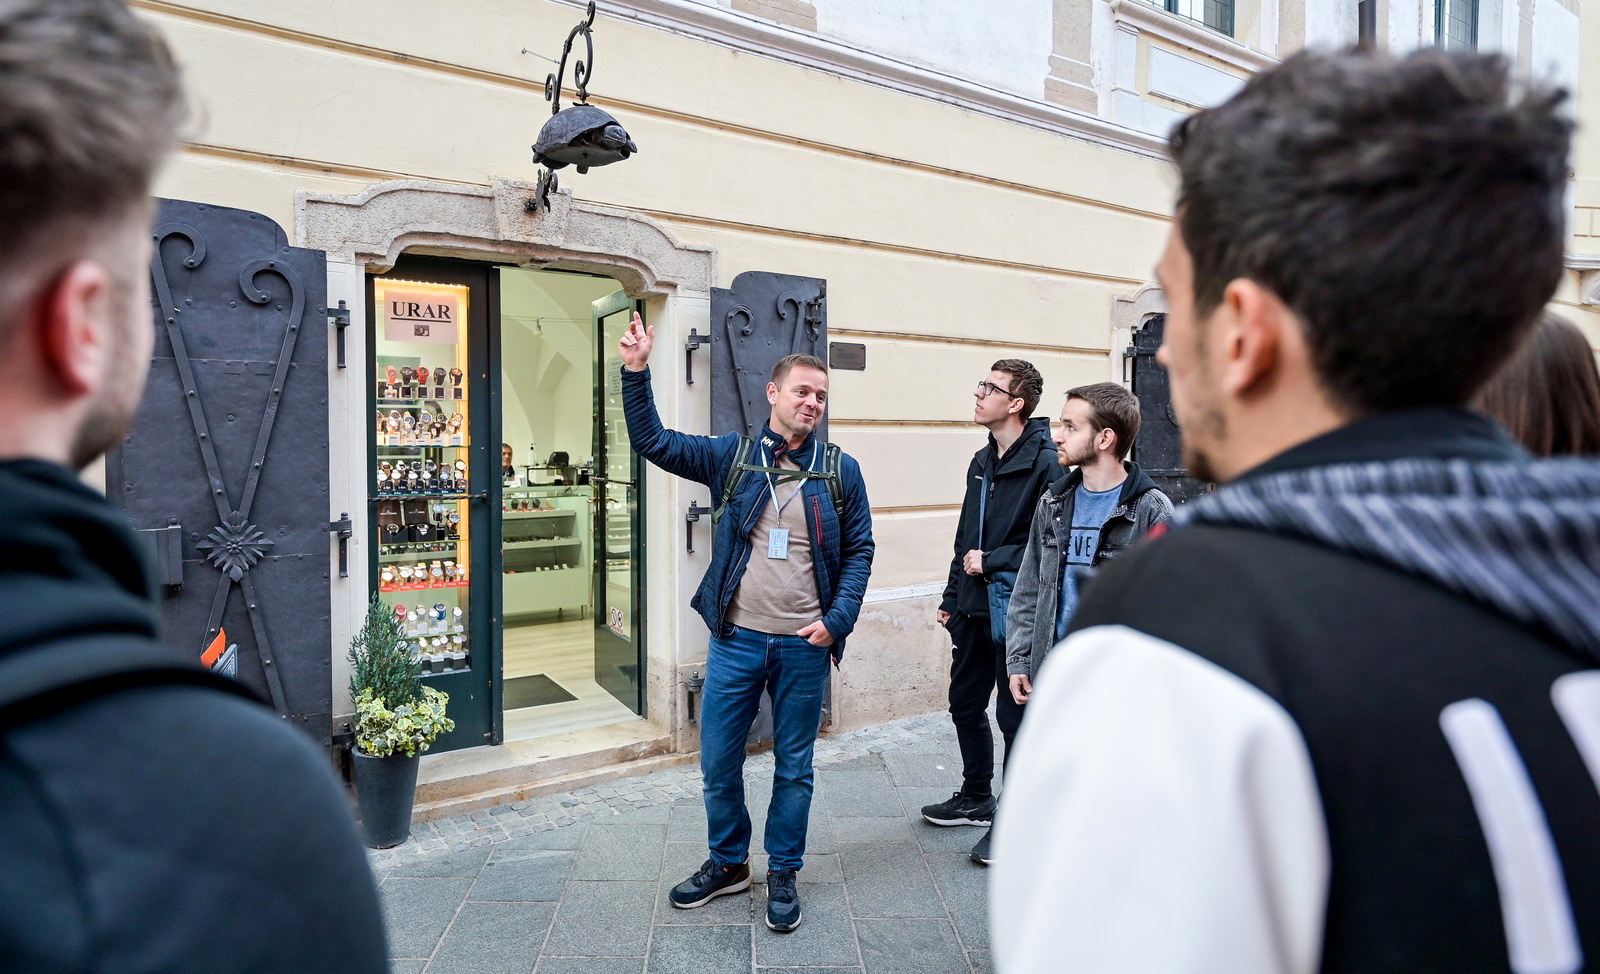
pixel 636 344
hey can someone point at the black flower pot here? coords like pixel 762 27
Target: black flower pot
pixel 386 789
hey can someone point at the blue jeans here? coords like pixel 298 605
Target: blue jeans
pixel 739 667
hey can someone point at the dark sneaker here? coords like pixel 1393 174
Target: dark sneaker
pixel 980 852
pixel 783 901
pixel 961 809
pixel 709 883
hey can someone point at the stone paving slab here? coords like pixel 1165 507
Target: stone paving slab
pixel 578 883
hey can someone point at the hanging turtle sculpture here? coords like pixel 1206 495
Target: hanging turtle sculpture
pixel 582 136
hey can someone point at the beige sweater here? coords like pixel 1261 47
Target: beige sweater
pixel 777 595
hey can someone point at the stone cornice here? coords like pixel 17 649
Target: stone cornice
pixel 752 35
pixel 492 222
pixel 1182 31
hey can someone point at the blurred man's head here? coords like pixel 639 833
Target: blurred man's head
pixel 1356 234
pixel 89 108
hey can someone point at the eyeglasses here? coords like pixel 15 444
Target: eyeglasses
pixel 985 387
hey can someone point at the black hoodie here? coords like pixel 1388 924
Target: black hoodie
pixel 155 828
pixel 1015 483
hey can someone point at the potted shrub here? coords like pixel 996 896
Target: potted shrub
pixel 397 718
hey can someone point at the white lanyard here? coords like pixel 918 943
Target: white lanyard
pixel 771 478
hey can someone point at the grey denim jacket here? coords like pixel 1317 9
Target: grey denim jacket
pixel 1031 619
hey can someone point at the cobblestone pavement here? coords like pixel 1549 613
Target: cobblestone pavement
pixel 576 883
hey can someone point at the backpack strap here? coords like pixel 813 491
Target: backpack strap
pixel 736 472
pixel 832 464
pixel 49 677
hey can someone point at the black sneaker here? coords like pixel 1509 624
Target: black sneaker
pixel 961 809
pixel 709 883
pixel 980 852
pixel 783 901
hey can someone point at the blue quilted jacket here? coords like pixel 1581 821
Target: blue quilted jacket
pixel 842 553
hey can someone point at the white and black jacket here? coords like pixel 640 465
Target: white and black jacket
pixel 1344 716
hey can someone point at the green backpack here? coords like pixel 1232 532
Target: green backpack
pixel 831 462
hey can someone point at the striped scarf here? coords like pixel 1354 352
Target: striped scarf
pixel 1523 538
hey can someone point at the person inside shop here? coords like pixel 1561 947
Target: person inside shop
pixel 508 469
pixel 788 572
pixel 153 815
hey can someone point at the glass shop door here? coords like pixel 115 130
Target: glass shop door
pixel 619 654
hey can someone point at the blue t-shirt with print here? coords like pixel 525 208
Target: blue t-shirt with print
pixel 1090 511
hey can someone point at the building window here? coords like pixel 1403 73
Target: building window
pixel 1456 24
pixel 1215 14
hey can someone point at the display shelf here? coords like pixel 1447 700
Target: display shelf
pixel 422 588
pixel 417 547
pixel 542 543
pixel 425 497
pixel 534 515
pixel 402 403
pixel 396 557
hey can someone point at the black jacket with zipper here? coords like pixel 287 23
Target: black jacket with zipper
pixel 1015 482
pixel 149 825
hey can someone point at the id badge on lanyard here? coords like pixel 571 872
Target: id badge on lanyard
pixel 778 538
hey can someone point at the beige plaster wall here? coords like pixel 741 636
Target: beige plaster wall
pixel 948 238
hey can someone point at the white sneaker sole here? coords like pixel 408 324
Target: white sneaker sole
pixel 739 887
pixel 774 927
pixel 948 822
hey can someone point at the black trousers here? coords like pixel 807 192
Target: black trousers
pixel 977 669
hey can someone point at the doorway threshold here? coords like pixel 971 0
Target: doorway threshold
pixel 484 777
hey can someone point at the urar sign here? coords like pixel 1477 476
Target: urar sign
pixel 416 315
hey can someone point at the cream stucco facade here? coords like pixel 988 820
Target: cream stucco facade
pixel 973 182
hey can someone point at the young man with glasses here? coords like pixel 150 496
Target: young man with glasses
pixel 1004 481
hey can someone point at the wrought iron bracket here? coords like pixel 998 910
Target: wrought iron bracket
pixel 1132 354
pixel 690 517
pixel 343 529
pixel 340 317
pixel 695 684
pixel 814 312
pixel 694 341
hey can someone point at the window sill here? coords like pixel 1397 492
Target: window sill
pixel 1142 17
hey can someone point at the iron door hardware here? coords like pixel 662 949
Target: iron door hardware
pixel 230 442
pixel 166 547
pixel 760 319
pixel 690 517
pixel 694 341
pixel 343 528
pixel 341 321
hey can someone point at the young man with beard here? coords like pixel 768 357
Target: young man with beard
pixel 1003 483
pixel 152 817
pixel 1084 519
pixel 789 565
pixel 1342 715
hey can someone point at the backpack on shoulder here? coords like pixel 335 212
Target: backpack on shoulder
pixel 832 461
